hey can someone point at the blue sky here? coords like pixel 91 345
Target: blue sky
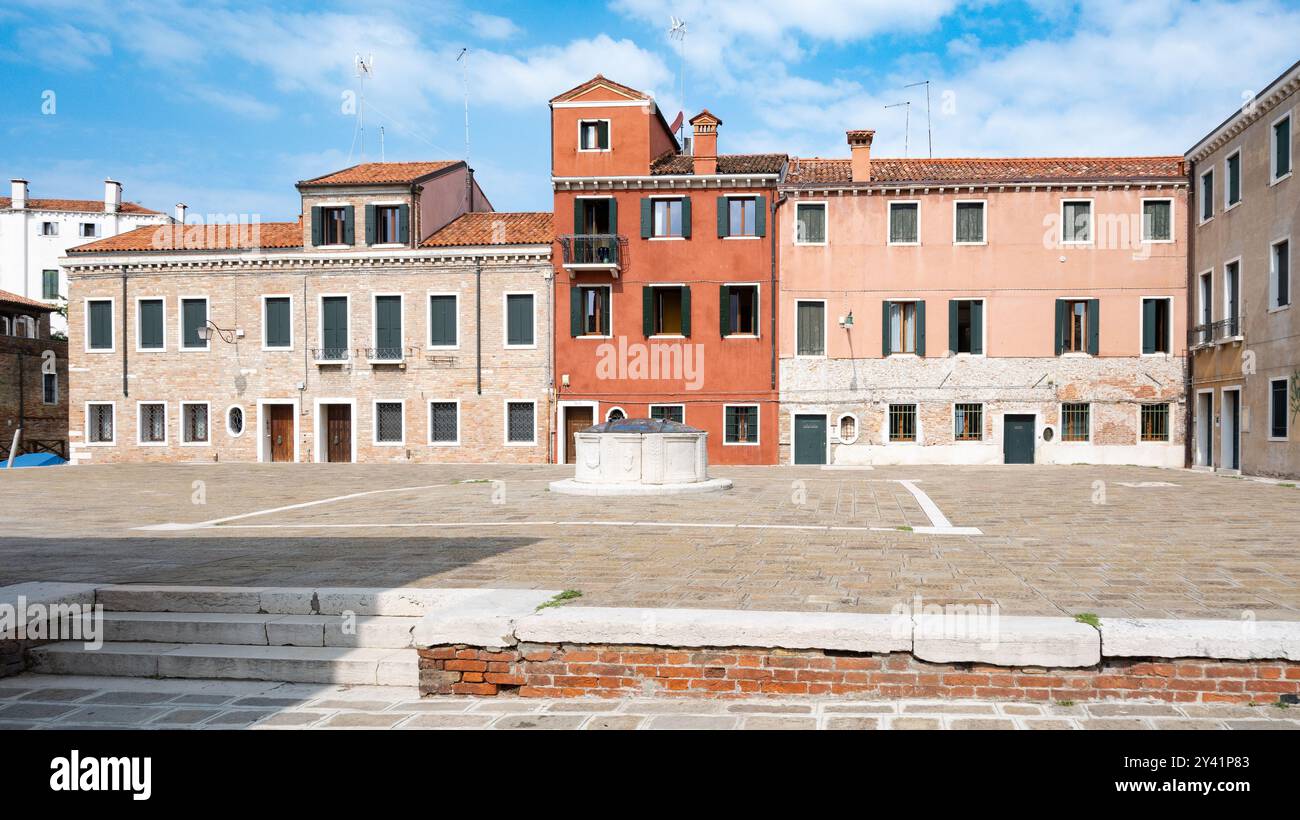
pixel 224 105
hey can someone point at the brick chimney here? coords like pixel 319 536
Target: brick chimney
pixel 181 208
pixel 705 144
pixel 112 196
pixel 18 194
pixel 860 152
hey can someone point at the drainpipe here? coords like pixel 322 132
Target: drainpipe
pixel 126 391
pixel 772 231
pixel 1189 391
pixel 478 324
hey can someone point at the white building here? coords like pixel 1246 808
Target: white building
pixel 34 233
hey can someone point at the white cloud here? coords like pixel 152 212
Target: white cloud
pixel 491 27
pixel 62 46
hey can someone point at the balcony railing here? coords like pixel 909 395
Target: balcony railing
pixel 385 355
pixel 331 355
pixel 597 251
pixel 1212 332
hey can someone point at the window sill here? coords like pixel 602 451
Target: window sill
pixel 194 349
pixel 903 244
pixel 1279 308
pixel 740 444
pixel 331 247
pixel 196 444
pixel 521 444
pixel 387 245
pixel 744 236
pixel 755 336
pixel 105 350
pixel 1279 440
pixel 101 444
pixel 667 238
pixel 520 347
pixel 1157 241
pixel 389 443
pixel 969 244
pixel 592 337
pixel 1282 178
pixel 151 444
pixel 1232 206
pixel 1076 354
pixel 277 349
pixel 666 336
pixel 442 348
pixel 810 244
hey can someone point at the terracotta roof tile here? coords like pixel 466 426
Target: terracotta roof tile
pixel 95 206
pixel 1010 169
pixel 199 238
pixel 7 298
pixel 600 79
pixel 672 163
pixel 381 173
pixel 494 228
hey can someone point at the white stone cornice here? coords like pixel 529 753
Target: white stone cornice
pixel 1274 96
pixel 493 257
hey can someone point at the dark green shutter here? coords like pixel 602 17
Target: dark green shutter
pixel 349 226
pixel 1060 326
pixel 403 223
pixel 977 327
pixel 724 307
pixel 371 231
pixel 579 214
pixel 388 322
pixel 760 216
pixel 101 325
pixel 613 215
pixel 1094 325
pixel 1148 325
pixel 920 328
pixel 647 217
pixel 686 310
pixel 317 227
pixel 194 315
pixel 442 320
pixel 953 338
pixel 884 328
pixel 334 322
pixel 724 216
pixel 608 299
pixel 277 322
pixel 647 310
pixel 686 217
pixel 151 324
pixel 575 311
pixel 519 319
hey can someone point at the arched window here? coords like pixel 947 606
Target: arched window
pixel 848 425
pixel 235 421
pixel 615 414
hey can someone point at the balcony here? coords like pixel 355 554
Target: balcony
pixel 331 355
pixel 1224 331
pixel 593 251
pixel 386 355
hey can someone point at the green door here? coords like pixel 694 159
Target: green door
pixel 1018 439
pixel 809 439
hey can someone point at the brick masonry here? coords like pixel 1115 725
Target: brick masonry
pixel 40 421
pixel 566 670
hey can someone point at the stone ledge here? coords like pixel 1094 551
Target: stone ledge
pixel 1236 640
pixel 1011 641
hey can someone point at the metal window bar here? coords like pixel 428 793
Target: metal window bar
pixel 1074 422
pixel 443 414
pixel 388 422
pixel 101 422
pixel 969 422
pixel 520 420
pixel 196 422
pixel 331 354
pixel 235 420
pixel 153 423
pixel 741 424
pixel 1210 332
pixel 590 249
pixel 1155 422
pixel 902 422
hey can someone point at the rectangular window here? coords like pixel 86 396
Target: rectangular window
pixel 389 424
pixel 444 422
pixel 1232 170
pixel 904 223
pixel 89 230
pixel 667 217
pixel 810 223
pixel 1075 332
pixel 99 424
pixel 667 311
pixel 810 328
pixel 739 305
pixel 1155 422
pixel 387 222
pixel 902 327
pixel 593 135
pixel 49 284
pixel 519 320
pixel 1231 295
pixel 277 323
pixel 668 412
pixel 742 216
pixel 1155 325
pixel 388 329
pixel 49 388
pixel 1282 147
pixel 1076 221
pixel 1277 408
pixel 334 224
pixel 966 326
pixel 593 307
pixel 442 320
pixel 1280 278
pixel 1074 422
pixel 1207 195
pixel 99 324
pixel 968 422
pixel 902 422
pixel 969 223
pixel 1157 220
pixel 194 423
pixel 151 328
pixel 49 229
pixel 740 423
pixel 153 423
pixel 520 425
pixel 1206 308
pixel 334 328
pixel 194 315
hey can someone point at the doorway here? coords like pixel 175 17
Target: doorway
pixel 338 433
pixel 279 438
pixel 1231 448
pixel 576 419
pixel 1205 429
pixel 1018 439
pixel 809 439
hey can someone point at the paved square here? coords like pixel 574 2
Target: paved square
pixel 1164 543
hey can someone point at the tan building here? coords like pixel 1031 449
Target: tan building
pixel 400 319
pixel 1245 332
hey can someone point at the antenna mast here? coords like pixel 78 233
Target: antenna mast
pixel 364 66
pixel 463 59
pixel 929 133
pixel 907 122
pixel 677 31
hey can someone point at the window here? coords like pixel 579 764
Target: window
pixel 740 424
pixel 152 427
pixel 739 310
pixel 334 328
pixel 390 427
pixel 589 311
pixel 277 323
pixel 332 225
pixel 442 320
pixel 902 422
pixel 668 412
pixel 1157 220
pixel 593 135
pixel 968 422
pixel 49 229
pixel 1076 221
pixel 444 422
pixel 1277 409
pixel 519 320
pixel 150 327
pixel 99 424
pixel 904 328
pixel 89 230
pixel 968 223
pixel 666 310
pixel 1076 326
pixel 615 414
pixel 235 421
pixel 1281 147
pixel 810 328
pixel 1206 307
pixel 848 428
pixel 669 217
pixel 1231 294
pixel 904 227
pixel 1155 326
pixel 25 327
pixel 1232 172
pixel 741 216
pixel 810 223
pixel 388 329
pixel 49 284
pixel 966 326
pixel 1155 422
pixel 389 225
pixel 520 425
pixel 1074 422
pixel 49 388
pixel 1207 195
pixel 1279 281
pixel 194 422
pixel 99 325
pixel 194 315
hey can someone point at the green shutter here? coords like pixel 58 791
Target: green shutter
pixel 388 322
pixel 686 310
pixel 371 232
pixel 1094 325
pixel 977 327
pixel 607 296
pixel 519 319
pixel 403 223
pixel 442 320
pixel 647 310
pixel 317 228
pixel 579 212
pixel 760 216
pixel 884 328
pixel 194 315
pixel 920 328
pixel 349 226
pixel 277 322
pixel 724 216
pixel 952 324
pixel 334 322
pixel 575 311
pixel 647 217
pixel 724 308
pixel 1148 325
pixel 613 215
pixel 1060 326
pixel 151 324
pixel 101 325
pixel 686 217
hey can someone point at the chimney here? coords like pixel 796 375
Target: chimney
pixel 112 196
pixel 860 151
pixel 181 208
pixel 705 146
pixel 18 195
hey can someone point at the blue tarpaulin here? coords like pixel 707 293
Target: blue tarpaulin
pixel 33 460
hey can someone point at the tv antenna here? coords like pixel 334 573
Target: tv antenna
pixel 463 59
pixel 364 67
pixel 907 121
pixel 677 32
pixel 929 134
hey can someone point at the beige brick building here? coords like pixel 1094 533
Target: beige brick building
pixel 400 319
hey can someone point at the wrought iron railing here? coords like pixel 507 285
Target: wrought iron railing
pixel 385 354
pixel 331 354
pixel 1211 332
pixel 592 249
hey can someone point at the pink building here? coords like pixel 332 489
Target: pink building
pixel 982 311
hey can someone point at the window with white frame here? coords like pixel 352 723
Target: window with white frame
pixel 444 422
pixel 1232 181
pixel 89 230
pixel 194 315
pixel 49 229
pixel 591 313
pixel 152 423
pixel 848 428
pixel 1207 195
pixel 235 421
pixel 1075 421
pixel 740 424
pixel 1157 220
pixel 1279 281
pixel 277 322
pixel 1154 420
pixel 99 325
pixel 442 320
pixel 150 321
pixel 741 218
pixel 389 424
pixel 904 223
pixel 99 423
pixel 194 422
pixel 1076 221
pixel 969 223
pixel 667 217
pixel 810 223
pixel 521 426
pixel 519 320
pixel 1156 324
pixel 668 412
pixel 739 305
pixel 810 328
pixel 902 422
pixel 904 327
pixel 1281 153
pixel 1278 406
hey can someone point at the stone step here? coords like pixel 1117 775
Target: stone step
pixel 293 664
pixel 402 602
pixel 371 631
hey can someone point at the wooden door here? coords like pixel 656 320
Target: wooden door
pixel 280 432
pixel 338 432
pixel 576 419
